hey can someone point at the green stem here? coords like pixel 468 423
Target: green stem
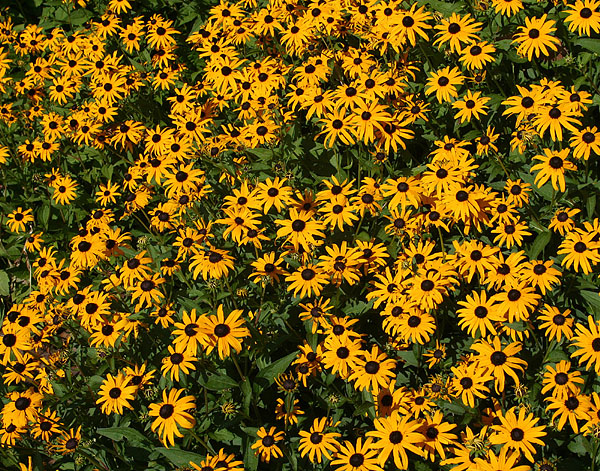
pixel 93 459
pixel 237 367
pixel 262 298
pixel 502 165
pixel 441 241
pixel 231 292
pixel 202 442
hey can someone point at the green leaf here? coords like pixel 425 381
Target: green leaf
pixel 580 445
pixel 556 355
pixel 592 45
pixel 4 284
pixel 250 457
pixel 409 357
pixel 246 388
pixel 518 326
pixel 272 370
pixel 592 298
pixel 590 205
pixel 180 457
pixel 446 8
pixel 118 433
pixel 363 409
pixel 422 466
pixel 95 381
pixel 222 435
pixel 44 215
pixel 218 382
pixel 539 244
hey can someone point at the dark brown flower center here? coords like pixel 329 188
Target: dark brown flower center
pixel 222 330
pixel 498 358
pixel 166 411
pixel 561 378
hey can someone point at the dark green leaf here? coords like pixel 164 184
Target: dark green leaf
pixel 271 371
pixel 118 433
pixel 217 382
pixel 539 244
pixel 592 45
pixel 4 284
pixel 180 457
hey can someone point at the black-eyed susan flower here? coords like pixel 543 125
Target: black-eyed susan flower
pixel 18 219
pixel 318 443
pixel 188 331
pixel 552 167
pixel 435 355
pixel 416 327
pixel 64 190
pixel 171 414
pixel 268 269
pixel 556 324
pixel 273 193
pixel 107 333
pixel 211 263
pixel 468 383
pixel 290 413
pixel 500 361
pixel 443 83
pixel 478 314
pixel 224 333
pixel 536 37
pixel 357 457
pixel 403 191
pixel 341 353
pixel 139 376
pixel 472 105
pixel 519 432
pixel 457 30
pixel 15 341
pixel 47 425
pixel 147 292
pixel 115 394
pixel 308 280
pixel 507 7
pixel 413 23
pixel 300 229
pixel 581 251
pixel 583 16
pixel 477 55
pixel 435 433
pixel 266 447
pixel 396 435
pixel 575 407
pixel 68 441
pixel 585 141
pixel 372 370
pixel 540 274
pixel 180 358
pixel 337 214
pixel 561 382
pixel 504 460
pixel 587 340
pixel 338 126
pixel 22 408
pixel 317 312
pixel 516 301
pixel 555 118
pixel 510 233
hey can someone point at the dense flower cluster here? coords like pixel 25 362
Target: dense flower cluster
pixel 354 233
